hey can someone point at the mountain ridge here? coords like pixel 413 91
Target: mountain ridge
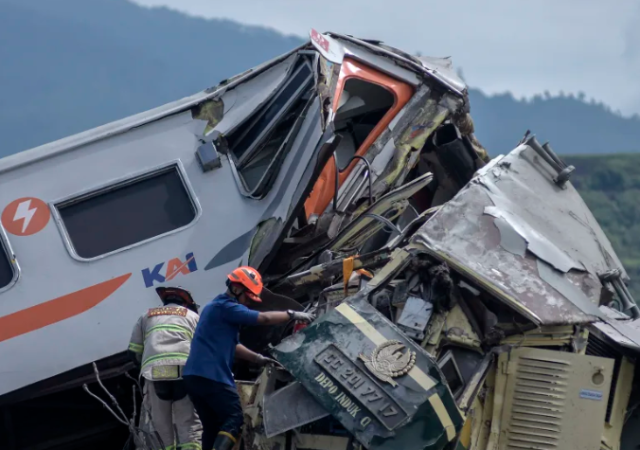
pixel 71 65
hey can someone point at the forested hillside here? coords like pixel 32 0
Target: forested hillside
pixel 610 185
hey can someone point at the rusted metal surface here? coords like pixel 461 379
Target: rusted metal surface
pixel 535 246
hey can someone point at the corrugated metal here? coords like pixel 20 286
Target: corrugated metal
pixel 539 403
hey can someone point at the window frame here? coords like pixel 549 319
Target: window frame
pixel 5 247
pixel 237 164
pixel 115 184
pixel 449 358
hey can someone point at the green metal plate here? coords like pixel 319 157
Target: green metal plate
pixel 328 359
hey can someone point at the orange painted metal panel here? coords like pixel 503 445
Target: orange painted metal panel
pixel 324 189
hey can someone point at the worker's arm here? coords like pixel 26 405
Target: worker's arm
pixel 278 317
pixel 244 353
pixel 241 315
pixel 273 318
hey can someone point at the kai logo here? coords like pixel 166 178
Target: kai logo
pixel 166 272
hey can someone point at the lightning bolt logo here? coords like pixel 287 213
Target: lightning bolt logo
pixel 25 216
pixel 24 213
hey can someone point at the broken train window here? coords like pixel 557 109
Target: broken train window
pixel 365 103
pixel 362 105
pixel 127 213
pixel 258 146
pixel 449 367
pixel 7 269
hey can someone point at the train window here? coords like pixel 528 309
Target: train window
pixel 259 145
pixel 451 372
pixel 6 268
pixel 362 105
pixel 127 213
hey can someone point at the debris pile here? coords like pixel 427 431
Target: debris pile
pixel 462 302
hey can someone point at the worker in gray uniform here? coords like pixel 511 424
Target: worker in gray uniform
pixel 160 345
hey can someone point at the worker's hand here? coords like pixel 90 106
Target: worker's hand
pixel 263 360
pixel 301 316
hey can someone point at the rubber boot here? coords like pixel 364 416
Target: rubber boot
pixel 224 441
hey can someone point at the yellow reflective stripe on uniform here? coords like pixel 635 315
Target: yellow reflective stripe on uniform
pixel 154 358
pixel 190 446
pixel 137 348
pixel 178 328
pixel 229 435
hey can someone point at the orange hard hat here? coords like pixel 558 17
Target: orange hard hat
pixel 250 278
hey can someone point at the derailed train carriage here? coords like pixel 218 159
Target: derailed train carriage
pixel 318 152
pixel 462 302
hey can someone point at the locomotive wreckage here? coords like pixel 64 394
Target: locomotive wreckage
pixel 462 302
pixel 491 313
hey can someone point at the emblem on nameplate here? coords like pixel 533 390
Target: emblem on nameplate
pixel 388 361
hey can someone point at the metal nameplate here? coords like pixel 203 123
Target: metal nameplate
pixel 591 395
pixel 361 387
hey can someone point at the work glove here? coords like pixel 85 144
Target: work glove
pixel 263 361
pixel 301 316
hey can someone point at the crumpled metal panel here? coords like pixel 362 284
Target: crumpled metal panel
pixel 325 357
pixel 444 68
pixel 288 408
pixel 533 244
pixel 242 100
pixel 620 328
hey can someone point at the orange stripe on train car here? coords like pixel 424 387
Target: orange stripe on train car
pixel 58 309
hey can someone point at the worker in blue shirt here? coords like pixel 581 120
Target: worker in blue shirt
pixel 207 374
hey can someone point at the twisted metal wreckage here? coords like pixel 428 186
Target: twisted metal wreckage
pixel 462 302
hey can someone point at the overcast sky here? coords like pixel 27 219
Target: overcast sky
pixel 523 46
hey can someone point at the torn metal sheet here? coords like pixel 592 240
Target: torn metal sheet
pixel 407 61
pixel 413 137
pixel 328 75
pixel 384 64
pixel 444 68
pixel 212 111
pixel 510 239
pixel 382 159
pixel 322 273
pixel 510 226
pixel 565 286
pixel 328 47
pixel 390 206
pixel 556 225
pixel 414 317
pixel 303 154
pixel 620 328
pixel 288 408
pixel 391 161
